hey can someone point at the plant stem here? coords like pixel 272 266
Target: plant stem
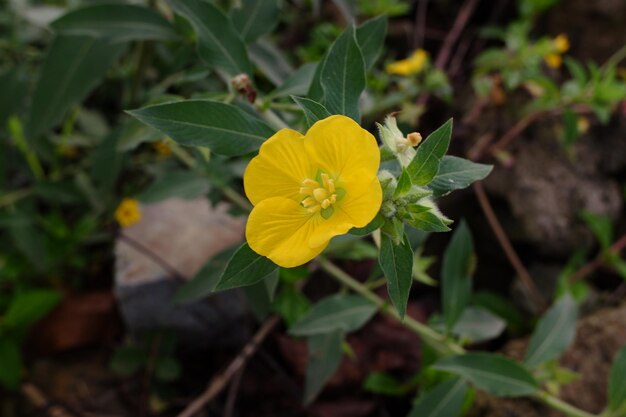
pixel 562 406
pixel 14 196
pixel 437 341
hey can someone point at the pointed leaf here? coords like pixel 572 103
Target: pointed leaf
pixel 72 67
pixel 617 383
pixel 297 84
pixel 425 165
pixel 116 22
pixel 324 359
pixel 338 312
pixel 255 18
pixel 219 44
pixel 396 261
pixel 444 400
pixel 246 267
pixel 456 285
pixel 313 111
pixel 457 173
pixel 495 374
pixel 554 332
pixel 371 38
pixel 225 129
pixel 343 76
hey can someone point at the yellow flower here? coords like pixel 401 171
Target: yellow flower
pixel 561 43
pixel 409 66
pixel 162 148
pixel 553 60
pixel 308 189
pixel 128 212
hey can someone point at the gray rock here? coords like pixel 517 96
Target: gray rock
pixel 184 234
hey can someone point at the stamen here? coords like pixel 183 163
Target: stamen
pixel 318 196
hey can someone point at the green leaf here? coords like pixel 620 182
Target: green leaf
pixel 223 128
pixel 428 221
pixel 28 307
pixel 495 374
pixel 116 22
pixel 371 38
pixel 396 262
pixel 375 224
pixel 167 369
pixel 291 304
pixel 456 282
pixel 343 76
pixel 381 383
pixel 478 324
pixel 270 61
pixel 501 307
pixel 205 281
pixel 313 111
pixel 255 18
pixel 457 173
pixel 570 122
pixel 404 185
pixel 13 84
pixel 128 360
pixel 219 44
pixel 246 267
pixel 73 66
pixel 10 363
pixel 180 184
pixel 425 165
pixel 297 84
pixel 617 383
pixel 600 225
pixel 444 400
pixel 554 332
pixel 324 359
pixel 338 312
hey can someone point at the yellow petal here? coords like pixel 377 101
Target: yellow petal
pixel 279 229
pixel 338 144
pixel 279 168
pixel 360 204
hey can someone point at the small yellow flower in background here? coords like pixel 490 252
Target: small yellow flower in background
pixel 582 123
pixel 409 66
pixel 553 60
pixel 162 148
pixel 307 189
pixel 128 212
pixel 561 43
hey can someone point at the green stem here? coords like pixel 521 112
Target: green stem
pixel 562 406
pixel 15 196
pixel 437 341
pixel 236 198
pixel 17 133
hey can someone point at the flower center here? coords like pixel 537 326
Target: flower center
pixel 318 196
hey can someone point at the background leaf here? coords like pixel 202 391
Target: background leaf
pixel 444 400
pixel 116 22
pixel 425 164
pixel 554 332
pixel 219 44
pixel 297 84
pixel 495 374
pixel 617 382
pixel 255 18
pixel 179 184
pixel 28 307
pixel 313 111
pixel 371 38
pixel 324 359
pixel 225 129
pixel 457 173
pixel 72 67
pixel 396 262
pixel 337 312
pixel 246 267
pixel 343 76
pixel 456 285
